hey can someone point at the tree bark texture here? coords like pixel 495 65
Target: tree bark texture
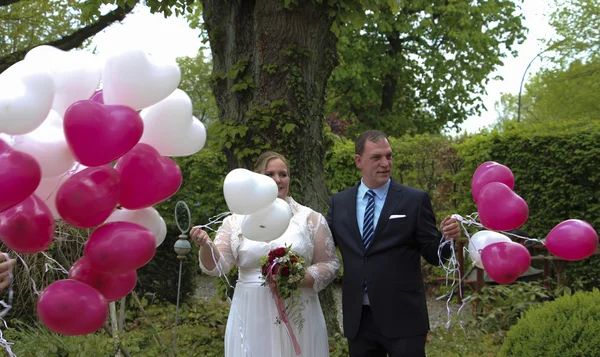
pixel 287 56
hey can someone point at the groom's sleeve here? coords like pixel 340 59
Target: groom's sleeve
pixel 329 219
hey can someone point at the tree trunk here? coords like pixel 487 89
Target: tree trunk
pixel 270 69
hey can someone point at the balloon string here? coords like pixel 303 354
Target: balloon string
pixel 218 220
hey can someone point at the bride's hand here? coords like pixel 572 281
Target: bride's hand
pixel 200 237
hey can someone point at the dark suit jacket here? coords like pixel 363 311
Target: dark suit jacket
pixel 391 267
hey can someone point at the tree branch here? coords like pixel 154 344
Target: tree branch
pixel 8 2
pixel 73 40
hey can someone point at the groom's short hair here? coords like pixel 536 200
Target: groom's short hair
pixel 370 135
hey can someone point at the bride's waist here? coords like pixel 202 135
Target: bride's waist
pixel 249 276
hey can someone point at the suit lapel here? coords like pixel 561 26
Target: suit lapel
pixel 393 198
pixel 351 202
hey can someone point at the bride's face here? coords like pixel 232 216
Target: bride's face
pixel 277 170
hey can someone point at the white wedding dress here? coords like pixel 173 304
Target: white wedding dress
pixel 251 327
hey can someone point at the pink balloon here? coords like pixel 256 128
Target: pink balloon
pixel 120 247
pixel 146 177
pixel 70 307
pixel 98 97
pixel 20 175
pixel 111 286
pixel 505 261
pixel 98 134
pixel 572 239
pixel 488 172
pixel 88 198
pixel 27 227
pixel 500 208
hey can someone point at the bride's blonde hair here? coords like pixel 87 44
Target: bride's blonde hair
pixel 263 160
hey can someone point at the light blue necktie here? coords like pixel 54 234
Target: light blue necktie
pixel 369 219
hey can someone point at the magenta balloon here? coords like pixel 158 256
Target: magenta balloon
pixel 20 175
pixel 489 172
pixel 27 227
pixel 99 134
pixel 88 198
pixel 120 247
pixel 500 208
pixel 111 286
pixel 505 261
pixel 146 177
pixel 98 97
pixel 70 307
pixel 572 239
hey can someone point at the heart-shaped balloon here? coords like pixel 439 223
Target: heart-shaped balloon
pixel 146 177
pixel 20 175
pixel 48 145
pixel 26 95
pixel 111 286
pixel 88 198
pixel 98 97
pixel 572 239
pixel 27 227
pixel 268 224
pixel 170 127
pixel 488 172
pixel 247 192
pixel 76 74
pixel 146 217
pixel 135 79
pixel 48 188
pixel 481 240
pixel 99 134
pixel 119 247
pixel 505 261
pixel 500 208
pixel 70 307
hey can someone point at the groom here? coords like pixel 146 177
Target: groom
pixel 382 229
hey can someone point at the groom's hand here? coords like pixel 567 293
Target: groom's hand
pixel 450 228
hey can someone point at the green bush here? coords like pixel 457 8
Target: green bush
pixel 566 327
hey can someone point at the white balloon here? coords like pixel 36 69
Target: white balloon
pixel 247 192
pixel 76 74
pixel 49 186
pixel 146 217
pixel 48 145
pixel 170 127
pixel 26 95
pixel 268 224
pixel 135 79
pixel 163 232
pixel 481 240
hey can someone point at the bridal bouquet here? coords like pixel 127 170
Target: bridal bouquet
pixel 283 271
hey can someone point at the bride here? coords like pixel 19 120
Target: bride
pixel 251 328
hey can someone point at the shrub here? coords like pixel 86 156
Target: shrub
pixel 567 327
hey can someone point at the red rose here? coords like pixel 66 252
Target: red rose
pixel 285 271
pixel 294 260
pixel 275 269
pixel 279 252
pixel 265 270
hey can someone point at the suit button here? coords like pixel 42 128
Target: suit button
pixel 366 259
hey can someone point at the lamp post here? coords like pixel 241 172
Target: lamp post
pixel 523 80
pixel 182 247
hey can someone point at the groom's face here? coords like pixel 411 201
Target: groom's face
pixel 375 163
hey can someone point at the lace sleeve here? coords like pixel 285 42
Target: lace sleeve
pixel 224 242
pixel 325 262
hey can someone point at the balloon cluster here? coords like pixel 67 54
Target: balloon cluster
pixel 501 209
pixel 255 196
pixel 95 159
